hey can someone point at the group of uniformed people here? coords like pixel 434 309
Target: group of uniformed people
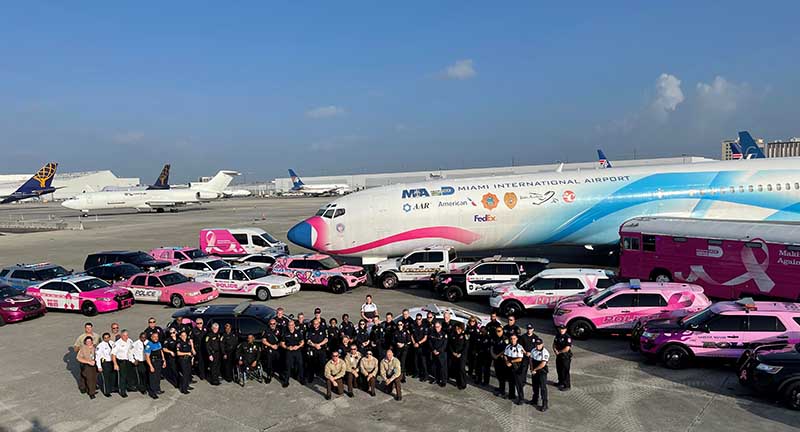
pixel 343 355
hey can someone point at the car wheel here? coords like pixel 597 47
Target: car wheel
pixel 661 276
pixel 262 294
pixel 675 357
pixel 453 294
pixel 2 321
pixel 389 281
pixel 580 329
pixel 337 286
pixel 510 308
pixel 793 396
pixel 176 301
pixel 88 308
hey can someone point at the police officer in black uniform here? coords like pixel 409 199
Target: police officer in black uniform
pixel 153 328
pixel 334 337
pixel 248 355
pixel 401 340
pixel 457 348
pixel 419 341
pixel 184 362
pixel 389 328
pixel 170 347
pixel 539 358
pixel 471 333
pixel 437 340
pixel 511 327
pixel 301 324
pixel 198 339
pixel 213 344
pixel 493 324
pixel 347 327
pixel 270 350
pixel 316 342
pixel 362 338
pixel 562 346
pixel 292 342
pixel 318 316
pixel 281 320
pixel 483 360
pixel 377 338
pixel 498 347
pixel 230 340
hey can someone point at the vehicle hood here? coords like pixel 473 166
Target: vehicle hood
pixel 573 304
pixel 18 300
pixel 505 287
pixel 348 269
pixel 105 292
pixel 272 280
pixel 779 358
pixel 663 325
pixel 389 264
pixel 189 286
pixel 156 264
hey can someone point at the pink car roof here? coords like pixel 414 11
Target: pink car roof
pixel 657 287
pixel 175 248
pixel 760 306
pixel 309 256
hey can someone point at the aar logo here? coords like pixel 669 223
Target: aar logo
pixel 489 201
pixel 510 198
pixel 421 206
pixel 568 196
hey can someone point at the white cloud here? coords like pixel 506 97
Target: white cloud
pixel 129 137
pixel 461 69
pixel 668 96
pixel 325 112
pixel 722 95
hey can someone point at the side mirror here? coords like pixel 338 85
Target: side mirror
pixel 603 306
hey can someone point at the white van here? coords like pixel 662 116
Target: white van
pixel 228 242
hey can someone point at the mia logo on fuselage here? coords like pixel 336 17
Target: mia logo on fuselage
pixel 425 193
pixel 419 206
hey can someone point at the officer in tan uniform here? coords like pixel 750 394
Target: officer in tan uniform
pixel 335 369
pixel 391 373
pixel 369 370
pixel 352 359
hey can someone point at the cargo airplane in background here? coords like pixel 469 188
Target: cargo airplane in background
pixel 36 186
pixel 153 199
pixel 317 189
pixel 584 208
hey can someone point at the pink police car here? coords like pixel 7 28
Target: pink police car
pixel 169 287
pixel 321 270
pixel 724 330
pixel 16 306
pixel 177 255
pixel 87 294
pixel 616 309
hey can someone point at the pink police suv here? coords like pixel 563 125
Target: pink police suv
pixel 178 254
pixel 87 294
pixel 617 309
pixel 724 330
pixel 169 287
pixel 320 270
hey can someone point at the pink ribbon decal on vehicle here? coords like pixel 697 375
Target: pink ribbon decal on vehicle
pixel 211 241
pixel 754 270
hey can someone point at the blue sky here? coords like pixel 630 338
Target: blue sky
pixel 340 87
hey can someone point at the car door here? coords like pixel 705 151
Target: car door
pixel 239 279
pixel 617 312
pixel 650 305
pixel 138 287
pixel 414 263
pixel 153 291
pixel 539 292
pixel 566 286
pixel 222 280
pixel 721 336
pixel 763 329
pixel 480 278
pixel 54 294
pixel 244 242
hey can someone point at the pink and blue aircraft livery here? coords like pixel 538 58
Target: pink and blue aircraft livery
pixel 570 207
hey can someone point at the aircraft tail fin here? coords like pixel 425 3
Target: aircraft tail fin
pixel 736 151
pixel 162 182
pixel 39 184
pixel 297 183
pixel 750 150
pixel 219 182
pixel 602 160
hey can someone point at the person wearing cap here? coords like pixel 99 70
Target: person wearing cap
pixel 292 342
pixel 419 341
pixel 322 322
pixel 335 370
pixel 369 370
pixel 511 327
pixel 457 351
pixel 539 359
pixel 230 340
pixel 562 346
pixel 352 360
pixel 499 343
pixel 527 340
pixel 316 344
pixel 391 373
pixel 438 344
pixel 400 343
pixel 517 369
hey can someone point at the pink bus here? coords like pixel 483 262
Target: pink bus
pixel 729 259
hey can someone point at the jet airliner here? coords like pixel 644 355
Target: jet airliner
pixel 39 184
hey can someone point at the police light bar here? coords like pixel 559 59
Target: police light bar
pixel 747 303
pixel 240 308
pixel 635 284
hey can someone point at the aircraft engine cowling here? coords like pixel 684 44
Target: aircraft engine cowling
pixel 203 195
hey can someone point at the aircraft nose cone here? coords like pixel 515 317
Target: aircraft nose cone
pixel 300 235
pixel 70 204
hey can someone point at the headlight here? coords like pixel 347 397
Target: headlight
pixel 105 299
pixel 495 294
pixel 561 311
pixel 275 287
pixel 769 369
pixel 194 293
pixel 648 335
pixel 11 309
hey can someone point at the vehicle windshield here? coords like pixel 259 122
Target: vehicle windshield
pixel 91 284
pixel 697 318
pixel 170 279
pixel 597 298
pixel 139 258
pixel 255 272
pixel 51 273
pixel 128 270
pixel 217 264
pixel 195 253
pixel 7 291
pixel 329 263
pixel 270 239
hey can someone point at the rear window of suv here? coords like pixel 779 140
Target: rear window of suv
pixel 3 273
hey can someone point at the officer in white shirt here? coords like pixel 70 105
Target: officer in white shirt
pixel 539 358
pixel 104 363
pixel 139 363
pixel 514 355
pixel 122 356
pixel 369 310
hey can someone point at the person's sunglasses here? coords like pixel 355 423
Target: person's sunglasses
pixel 151 322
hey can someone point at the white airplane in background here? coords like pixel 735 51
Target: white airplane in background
pixel 153 199
pixel 317 189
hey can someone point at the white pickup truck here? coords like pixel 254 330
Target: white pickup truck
pixel 417 266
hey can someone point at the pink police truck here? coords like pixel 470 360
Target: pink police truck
pixel 729 259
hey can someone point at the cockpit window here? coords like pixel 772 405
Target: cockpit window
pixel 320 212
pixel 339 212
pixel 328 214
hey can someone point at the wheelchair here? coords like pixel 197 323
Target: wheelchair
pixel 243 373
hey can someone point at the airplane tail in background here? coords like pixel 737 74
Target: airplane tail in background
pixel 296 182
pixel 162 182
pixel 736 151
pixel 218 183
pixel 602 160
pixel 38 185
pixel 750 150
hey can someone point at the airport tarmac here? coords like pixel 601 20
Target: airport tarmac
pixel 613 390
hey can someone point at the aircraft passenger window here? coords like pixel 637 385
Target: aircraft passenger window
pixel 679 239
pixel 328 214
pixel 797 185
pixel 741 189
pixel 649 243
pixel 733 189
pixel 778 187
pixel 339 212
pixel 715 242
pixel 750 188
pixel 753 245
pixel 760 188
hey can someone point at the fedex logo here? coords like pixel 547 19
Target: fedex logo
pixel 484 218
pixel 424 193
